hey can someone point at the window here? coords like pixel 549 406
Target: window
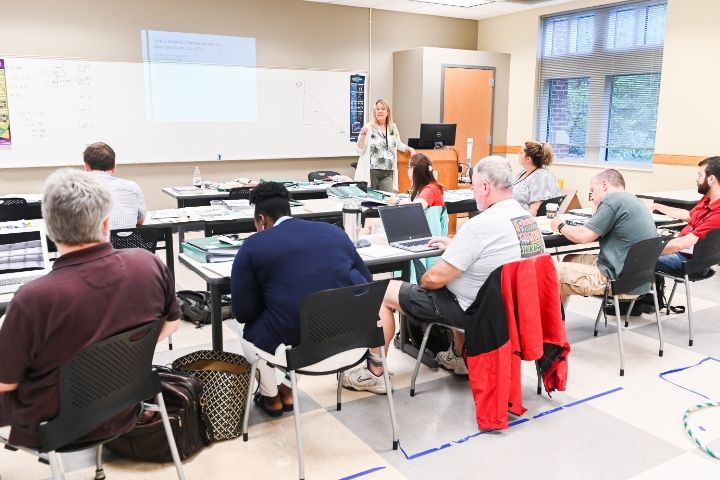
pixel 599 82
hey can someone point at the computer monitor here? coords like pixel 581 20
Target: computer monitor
pixel 436 135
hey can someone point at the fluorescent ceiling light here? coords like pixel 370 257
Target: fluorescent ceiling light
pixel 457 3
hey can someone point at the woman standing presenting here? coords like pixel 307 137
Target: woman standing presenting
pixel 378 144
pixel 535 183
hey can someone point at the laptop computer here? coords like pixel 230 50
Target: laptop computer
pixel 23 256
pixel 406 227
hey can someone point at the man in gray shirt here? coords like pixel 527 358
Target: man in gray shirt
pixel 128 209
pixel 620 220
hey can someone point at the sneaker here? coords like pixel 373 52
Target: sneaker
pixel 363 379
pixel 450 361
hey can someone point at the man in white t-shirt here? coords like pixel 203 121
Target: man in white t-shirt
pixel 504 232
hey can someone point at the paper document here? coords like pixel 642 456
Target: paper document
pixel 167 213
pixel 221 268
pixel 380 251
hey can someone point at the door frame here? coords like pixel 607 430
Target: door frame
pixel 492 105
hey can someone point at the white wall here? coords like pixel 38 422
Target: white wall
pixel 290 33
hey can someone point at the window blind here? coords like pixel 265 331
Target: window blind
pixel 599 82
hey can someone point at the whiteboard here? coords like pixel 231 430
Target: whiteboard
pixel 58 107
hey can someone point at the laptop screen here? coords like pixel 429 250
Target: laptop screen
pixel 404 222
pixel 21 251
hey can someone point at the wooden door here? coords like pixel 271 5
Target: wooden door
pixel 468 102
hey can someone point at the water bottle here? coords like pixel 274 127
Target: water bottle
pixel 197 180
pixel 352 218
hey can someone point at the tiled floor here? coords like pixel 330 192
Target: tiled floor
pixel 622 427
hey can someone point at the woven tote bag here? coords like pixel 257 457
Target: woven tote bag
pixel 225 377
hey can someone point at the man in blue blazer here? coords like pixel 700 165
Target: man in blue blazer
pixel 274 270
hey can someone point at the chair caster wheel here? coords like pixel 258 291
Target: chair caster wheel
pixel 690 343
pixel 396 444
pixel 245 437
pixel 412 392
pixel 660 353
pixel 595 333
pixel 622 372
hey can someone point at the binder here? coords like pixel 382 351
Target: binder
pixel 210 249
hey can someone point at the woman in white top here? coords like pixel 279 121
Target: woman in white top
pixel 535 183
pixel 378 144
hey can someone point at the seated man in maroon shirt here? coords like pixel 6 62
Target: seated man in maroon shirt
pixel 92 292
pixel 703 218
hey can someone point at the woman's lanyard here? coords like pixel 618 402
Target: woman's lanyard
pixel 524 176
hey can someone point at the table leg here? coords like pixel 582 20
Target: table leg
pixel 181 229
pixel 169 250
pixel 216 318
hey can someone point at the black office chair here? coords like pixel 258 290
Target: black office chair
pixel 145 238
pixel 420 271
pixel 101 382
pixel 321 175
pixel 706 253
pixel 239 193
pixel 638 271
pixel 542 209
pixel 13 209
pixel 332 323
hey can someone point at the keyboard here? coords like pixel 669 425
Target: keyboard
pixel 414 243
pixel 15 281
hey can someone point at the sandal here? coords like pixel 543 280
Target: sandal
pixel 260 402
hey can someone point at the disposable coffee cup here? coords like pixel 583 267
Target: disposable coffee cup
pixel 551 210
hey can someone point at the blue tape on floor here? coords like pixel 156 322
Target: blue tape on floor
pixel 675 370
pixel 510 425
pixel 701 428
pixel 578 402
pixel 518 422
pixel 428 452
pixel 465 439
pixel 360 474
pixel 547 412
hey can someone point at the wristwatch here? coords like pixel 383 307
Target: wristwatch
pixel 560 226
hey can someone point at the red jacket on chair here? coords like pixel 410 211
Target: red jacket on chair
pixel 515 316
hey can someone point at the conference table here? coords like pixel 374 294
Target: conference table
pixel 217 277
pixel 674 198
pixel 202 196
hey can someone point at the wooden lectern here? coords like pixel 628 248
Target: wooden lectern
pixel 445 162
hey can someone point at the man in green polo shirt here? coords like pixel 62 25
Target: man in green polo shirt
pixel 620 220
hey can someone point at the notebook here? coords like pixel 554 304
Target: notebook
pixel 406 227
pixel 23 256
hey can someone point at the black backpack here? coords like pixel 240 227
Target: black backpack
pixel 147 441
pixel 195 306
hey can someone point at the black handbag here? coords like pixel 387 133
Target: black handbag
pixel 147 441
pixel 195 306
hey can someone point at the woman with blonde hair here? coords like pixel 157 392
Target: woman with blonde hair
pixel 378 144
pixel 535 183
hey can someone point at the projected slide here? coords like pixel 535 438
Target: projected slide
pixel 192 77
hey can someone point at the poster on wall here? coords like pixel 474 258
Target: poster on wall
pixel 357 105
pixel 4 112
